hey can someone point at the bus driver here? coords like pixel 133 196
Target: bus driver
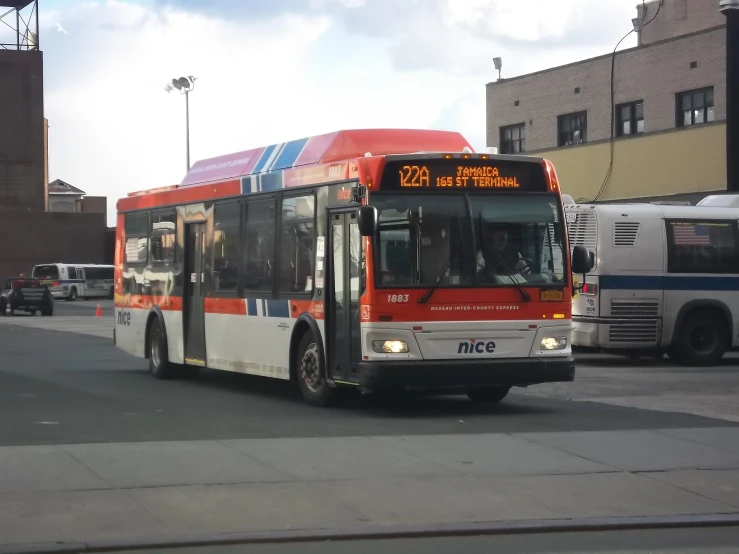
pixel 497 256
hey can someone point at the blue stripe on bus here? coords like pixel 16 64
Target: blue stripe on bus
pixel 263 159
pixel 246 185
pixel 278 308
pixel 251 306
pixel 289 154
pixel 669 282
pixel 271 181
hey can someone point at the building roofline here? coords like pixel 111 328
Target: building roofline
pixel 605 56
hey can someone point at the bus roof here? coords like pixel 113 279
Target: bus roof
pixel 659 210
pixel 322 149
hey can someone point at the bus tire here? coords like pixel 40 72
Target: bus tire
pixel 72 294
pixel 488 395
pixel 111 293
pixel 702 339
pixel 311 375
pixel 158 354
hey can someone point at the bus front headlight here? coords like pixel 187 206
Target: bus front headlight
pixel 554 343
pixel 390 346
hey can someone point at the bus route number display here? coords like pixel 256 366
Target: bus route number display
pixel 459 176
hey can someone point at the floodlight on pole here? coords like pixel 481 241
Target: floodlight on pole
pixel 185 85
pixel 498 62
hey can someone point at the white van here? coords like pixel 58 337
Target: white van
pixel 666 279
pixel 72 281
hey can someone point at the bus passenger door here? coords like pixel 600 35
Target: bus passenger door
pixel 81 282
pixel 193 301
pixel 344 276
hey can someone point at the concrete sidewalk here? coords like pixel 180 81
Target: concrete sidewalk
pixel 91 492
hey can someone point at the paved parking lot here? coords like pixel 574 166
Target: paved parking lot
pixel 93 447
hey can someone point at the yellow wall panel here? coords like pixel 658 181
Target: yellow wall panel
pixel 689 160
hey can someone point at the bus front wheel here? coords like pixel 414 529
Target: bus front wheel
pixel 311 374
pixel 488 395
pixel 702 339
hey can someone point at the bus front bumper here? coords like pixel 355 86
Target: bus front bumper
pixel 466 373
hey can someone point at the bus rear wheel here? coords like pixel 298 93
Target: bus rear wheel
pixel 159 364
pixel 488 395
pixel 311 374
pixel 702 339
pixel 72 294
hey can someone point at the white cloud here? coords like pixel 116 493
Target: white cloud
pixel 283 75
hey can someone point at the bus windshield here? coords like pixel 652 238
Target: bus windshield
pixel 474 239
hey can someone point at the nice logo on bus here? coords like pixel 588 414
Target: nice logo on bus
pixel 475 347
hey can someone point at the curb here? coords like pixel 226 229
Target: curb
pixel 383 532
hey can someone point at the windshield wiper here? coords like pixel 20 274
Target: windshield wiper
pixel 525 295
pixel 455 251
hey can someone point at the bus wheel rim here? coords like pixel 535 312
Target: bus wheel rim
pixel 310 368
pixel 703 338
pixel 155 353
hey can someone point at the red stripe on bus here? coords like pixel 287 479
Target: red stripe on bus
pixel 184 195
pixel 147 302
pixel 225 306
pixel 299 307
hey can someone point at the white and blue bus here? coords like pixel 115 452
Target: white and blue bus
pixel 665 280
pixel 73 281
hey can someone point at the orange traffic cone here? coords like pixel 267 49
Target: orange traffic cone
pixel 99 311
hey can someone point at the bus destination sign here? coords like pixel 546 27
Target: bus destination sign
pixel 463 174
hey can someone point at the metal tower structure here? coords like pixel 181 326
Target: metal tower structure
pixel 19 25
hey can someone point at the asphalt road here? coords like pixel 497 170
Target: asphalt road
pixel 672 541
pixel 82 307
pixel 62 388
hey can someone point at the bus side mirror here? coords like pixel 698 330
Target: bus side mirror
pixel 367 220
pixel 582 260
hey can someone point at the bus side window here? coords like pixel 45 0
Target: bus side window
pixel 137 238
pixel 702 246
pixel 296 244
pixel 260 246
pixel 226 239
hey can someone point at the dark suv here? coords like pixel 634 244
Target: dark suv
pixel 26 295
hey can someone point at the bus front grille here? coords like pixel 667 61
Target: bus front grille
pixel 637 331
pixel 634 308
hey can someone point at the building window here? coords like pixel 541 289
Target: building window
pixel 572 129
pixel 513 139
pixel 630 118
pixel 297 255
pixel 260 246
pixel 695 107
pixel 226 240
pixel 695 246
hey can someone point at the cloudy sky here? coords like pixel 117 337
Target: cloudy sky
pixel 274 70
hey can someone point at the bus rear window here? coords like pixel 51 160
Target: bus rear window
pixel 46 272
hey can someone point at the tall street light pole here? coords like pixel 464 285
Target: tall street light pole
pixel 730 8
pixel 185 85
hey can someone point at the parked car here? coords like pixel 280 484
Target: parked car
pixel 21 294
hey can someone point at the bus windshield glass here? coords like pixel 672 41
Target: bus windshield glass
pixel 472 240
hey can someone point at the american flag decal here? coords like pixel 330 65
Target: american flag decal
pixel 690 234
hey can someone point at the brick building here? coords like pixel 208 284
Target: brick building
pixel 30 233
pixel 22 133
pixel 668 97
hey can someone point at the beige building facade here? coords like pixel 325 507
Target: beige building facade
pixel 669 110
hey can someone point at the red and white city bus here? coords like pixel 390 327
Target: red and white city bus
pixel 373 259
